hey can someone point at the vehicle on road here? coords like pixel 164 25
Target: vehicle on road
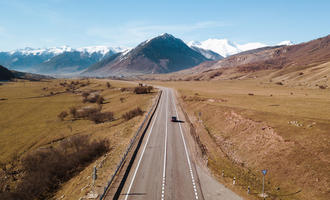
pixel 174 119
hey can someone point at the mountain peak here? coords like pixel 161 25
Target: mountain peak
pixel 166 35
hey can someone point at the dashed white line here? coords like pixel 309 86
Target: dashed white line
pixel 187 154
pixel 144 148
pixel 165 149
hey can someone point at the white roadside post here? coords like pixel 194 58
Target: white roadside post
pixel 264 172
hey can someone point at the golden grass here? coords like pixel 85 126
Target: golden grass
pixel 29 121
pixel 255 132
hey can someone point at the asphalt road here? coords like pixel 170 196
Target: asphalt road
pixel 163 168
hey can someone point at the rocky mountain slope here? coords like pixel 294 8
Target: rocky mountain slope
pixel 282 59
pixel 209 54
pixel 162 54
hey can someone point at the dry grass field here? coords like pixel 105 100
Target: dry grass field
pixel 29 121
pixel 254 124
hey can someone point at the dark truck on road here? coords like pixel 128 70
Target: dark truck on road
pixel 174 119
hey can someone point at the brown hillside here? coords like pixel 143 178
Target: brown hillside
pixel 288 59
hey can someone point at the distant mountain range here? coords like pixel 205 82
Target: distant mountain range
pixel 55 60
pixel 226 47
pixel 162 54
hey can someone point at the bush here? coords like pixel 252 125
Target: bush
pixel 122 99
pixel 100 100
pixel 44 170
pixel 62 115
pixel 133 113
pixel 93 114
pixel 92 98
pixel 108 85
pixel 125 89
pixel 86 112
pixel 85 94
pixel 99 117
pixel 73 112
pixel 322 87
pixel 143 89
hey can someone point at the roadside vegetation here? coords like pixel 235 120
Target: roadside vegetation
pixel 45 169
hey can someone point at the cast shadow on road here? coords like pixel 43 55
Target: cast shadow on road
pixel 178 121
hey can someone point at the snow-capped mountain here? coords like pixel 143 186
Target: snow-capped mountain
pixel 225 47
pixel 58 50
pixel 47 59
pixel 41 51
pixel 162 54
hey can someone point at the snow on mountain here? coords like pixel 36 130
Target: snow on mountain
pixel 286 42
pixel 40 51
pixel 59 50
pixel 225 47
pixel 95 49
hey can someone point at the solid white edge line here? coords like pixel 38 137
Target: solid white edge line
pixel 165 148
pixel 185 147
pixel 144 148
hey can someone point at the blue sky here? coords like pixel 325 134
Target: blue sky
pixel 77 23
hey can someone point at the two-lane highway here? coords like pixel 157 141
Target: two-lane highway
pixel 163 168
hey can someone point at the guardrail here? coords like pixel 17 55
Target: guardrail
pixel 147 118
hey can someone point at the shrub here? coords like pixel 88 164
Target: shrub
pixel 92 98
pixel 62 115
pixel 150 88
pixel 100 100
pixel 143 89
pixel 45 170
pixel 125 89
pixel 322 87
pixel 93 114
pixel 122 99
pixel 99 117
pixel 108 85
pixel 85 94
pixel 133 113
pixel 73 112
pixel 86 112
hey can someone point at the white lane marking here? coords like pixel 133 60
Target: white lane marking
pixel 165 149
pixel 187 154
pixel 144 148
